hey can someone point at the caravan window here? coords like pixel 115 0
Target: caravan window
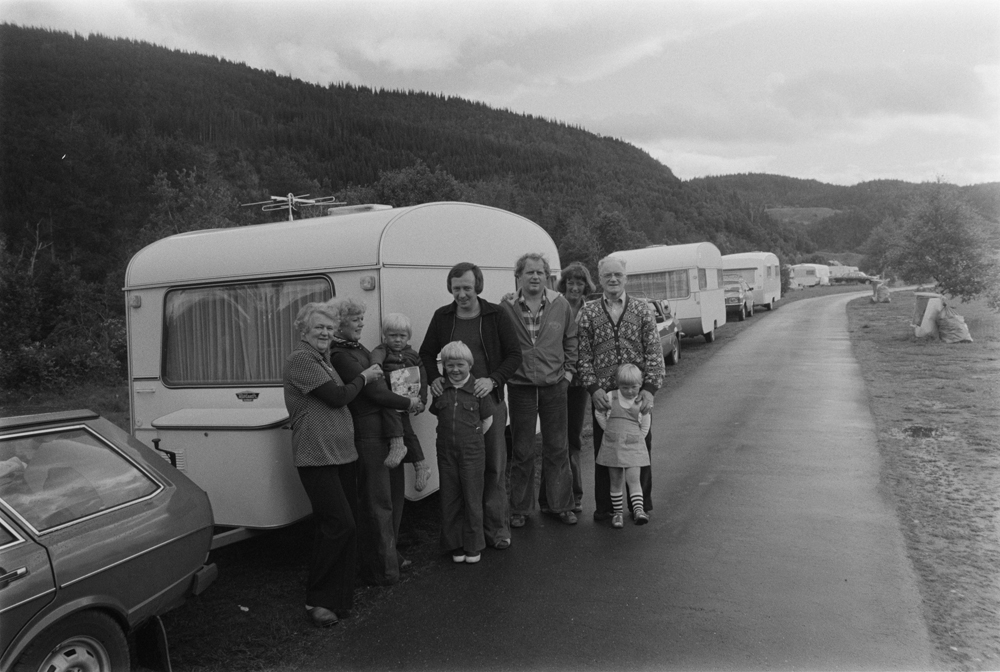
pixel 664 285
pixel 702 278
pixel 234 334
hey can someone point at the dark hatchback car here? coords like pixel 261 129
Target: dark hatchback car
pixel 669 330
pixel 739 297
pixel 99 535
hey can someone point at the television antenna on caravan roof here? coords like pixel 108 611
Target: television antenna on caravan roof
pixel 292 203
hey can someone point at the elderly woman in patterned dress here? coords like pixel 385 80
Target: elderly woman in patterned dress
pixel 325 456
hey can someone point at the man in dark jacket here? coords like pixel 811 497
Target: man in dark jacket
pixel 496 352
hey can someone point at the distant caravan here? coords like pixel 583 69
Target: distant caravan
pixel 762 272
pixel 809 275
pixel 688 276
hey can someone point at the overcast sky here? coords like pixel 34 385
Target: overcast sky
pixel 841 92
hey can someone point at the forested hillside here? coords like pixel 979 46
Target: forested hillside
pixel 108 144
pixel 858 208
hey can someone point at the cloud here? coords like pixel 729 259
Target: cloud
pixel 911 87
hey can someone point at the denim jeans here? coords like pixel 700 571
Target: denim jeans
pixel 496 510
pixel 576 409
pixel 460 470
pixel 548 404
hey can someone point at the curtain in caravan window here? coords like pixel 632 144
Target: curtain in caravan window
pixel 234 334
pixel 663 285
pixel 702 279
pixel 651 285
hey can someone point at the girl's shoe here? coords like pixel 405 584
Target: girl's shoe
pixel 458 556
pixel 473 558
pixel 617 521
pixel 641 518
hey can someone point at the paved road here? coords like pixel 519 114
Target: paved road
pixel 772 543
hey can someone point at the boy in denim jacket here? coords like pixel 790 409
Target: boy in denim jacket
pixel 463 418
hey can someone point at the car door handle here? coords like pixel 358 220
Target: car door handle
pixel 6 578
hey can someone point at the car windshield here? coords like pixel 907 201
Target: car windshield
pixel 52 478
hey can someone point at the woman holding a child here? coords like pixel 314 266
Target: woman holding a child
pixel 324 453
pixel 378 437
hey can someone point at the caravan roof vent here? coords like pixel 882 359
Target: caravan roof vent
pixel 351 209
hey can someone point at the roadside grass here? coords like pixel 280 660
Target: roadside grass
pixel 937 411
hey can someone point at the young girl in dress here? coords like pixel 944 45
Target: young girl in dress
pixel 623 449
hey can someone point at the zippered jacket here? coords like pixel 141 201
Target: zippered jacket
pixel 553 355
pixel 503 350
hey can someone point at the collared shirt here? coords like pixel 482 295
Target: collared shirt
pixel 532 322
pixel 614 306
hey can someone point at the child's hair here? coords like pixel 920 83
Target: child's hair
pixel 629 374
pixel 456 350
pixel 396 322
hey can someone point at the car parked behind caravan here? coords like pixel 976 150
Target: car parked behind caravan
pixel 761 270
pixel 689 276
pixel 210 323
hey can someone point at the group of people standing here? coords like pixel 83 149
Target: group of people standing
pixel 550 351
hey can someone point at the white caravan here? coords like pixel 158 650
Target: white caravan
pixel 809 275
pixel 210 324
pixel 688 276
pixel 761 270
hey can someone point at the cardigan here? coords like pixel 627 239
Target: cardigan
pixel 604 345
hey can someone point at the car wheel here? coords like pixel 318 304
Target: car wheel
pixel 674 355
pixel 709 336
pixel 88 641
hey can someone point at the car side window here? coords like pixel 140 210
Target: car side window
pixel 7 537
pixel 52 478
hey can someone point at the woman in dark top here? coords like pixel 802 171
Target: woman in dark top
pixel 378 437
pixel 324 453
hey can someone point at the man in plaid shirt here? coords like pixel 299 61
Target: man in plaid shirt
pixel 614 330
pixel 546 330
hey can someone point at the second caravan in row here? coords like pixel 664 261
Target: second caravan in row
pixel 762 272
pixel 689 277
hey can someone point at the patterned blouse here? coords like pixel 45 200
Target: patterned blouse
pixel 321 435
